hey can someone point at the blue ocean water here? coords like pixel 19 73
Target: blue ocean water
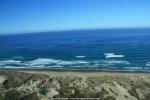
pixel 108 49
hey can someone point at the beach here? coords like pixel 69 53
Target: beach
pixel 75 50
pixel 58 85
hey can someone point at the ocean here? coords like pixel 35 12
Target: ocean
pixel 105 49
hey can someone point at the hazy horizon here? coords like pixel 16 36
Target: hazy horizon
pixel 76 30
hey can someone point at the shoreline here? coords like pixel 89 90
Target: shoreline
pixel 77 70
pixel 86 74
pixel 46 85
pixel 77 73
pixel 72 73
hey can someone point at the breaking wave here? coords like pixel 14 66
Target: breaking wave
pixel 10 62
pixel 148 64
pixel 56 63
pixel 113 55
pixel 113 62
pixel 80 56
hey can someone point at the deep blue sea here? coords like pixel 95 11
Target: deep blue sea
pixel 107 49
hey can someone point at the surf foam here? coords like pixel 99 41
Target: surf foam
pixel 113 55
pixel 148 64
pixel 80 56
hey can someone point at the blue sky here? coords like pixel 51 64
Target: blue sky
pixel 17 16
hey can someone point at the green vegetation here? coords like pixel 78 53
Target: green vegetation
pixel 12 82
pixel 12 95
pixel 32 96
pixel 22 86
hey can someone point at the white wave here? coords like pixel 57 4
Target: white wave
pixel 80 56
pixel 74 62
pixel 113 55
pixel 6 62
pixel 42 61
pixel 147 64
pixel 81 62
pixel 106 63
pixel 116 62
pixel 65 63
pixel 49 63
pixel 46 61
pixel 13 67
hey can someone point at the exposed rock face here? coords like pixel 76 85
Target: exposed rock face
pixel 25 86
pixel 2 79
pixel 117 91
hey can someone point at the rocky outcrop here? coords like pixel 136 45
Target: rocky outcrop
pixel 2 79
pixel 117 91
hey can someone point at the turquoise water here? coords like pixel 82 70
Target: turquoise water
pixel 111 49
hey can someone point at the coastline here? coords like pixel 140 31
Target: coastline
pixel 79 73
pixel 84 74
pixel 47 85
pixel 75 70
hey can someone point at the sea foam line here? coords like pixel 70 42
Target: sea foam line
pixel 51 63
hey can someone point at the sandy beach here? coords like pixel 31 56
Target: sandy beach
pixel 85 74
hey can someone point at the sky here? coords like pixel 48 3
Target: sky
pixel 21 16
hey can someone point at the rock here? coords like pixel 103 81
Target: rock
pixel 56 84
pixel 117 91
pixel 51 93
pixel 2 79
pixel 97 88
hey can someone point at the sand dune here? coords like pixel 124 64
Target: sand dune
pixel 47 85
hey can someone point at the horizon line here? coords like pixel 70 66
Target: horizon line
pixel 70 30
